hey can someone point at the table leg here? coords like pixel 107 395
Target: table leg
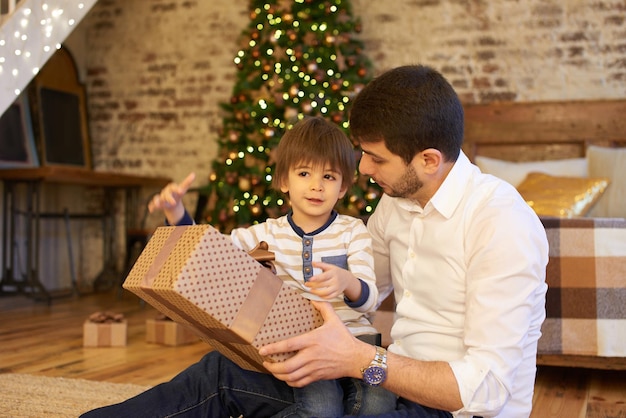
pixel 8 284
pixel 110 275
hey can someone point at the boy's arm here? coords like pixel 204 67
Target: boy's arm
pixel 361 264
pixel 170 200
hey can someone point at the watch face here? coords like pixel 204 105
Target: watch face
pixel 374 375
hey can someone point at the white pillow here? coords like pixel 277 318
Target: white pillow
pixel 514 172
pixel 609 163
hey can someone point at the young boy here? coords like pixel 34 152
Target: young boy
pixel 325 254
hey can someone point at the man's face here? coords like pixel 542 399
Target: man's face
pixel 395 177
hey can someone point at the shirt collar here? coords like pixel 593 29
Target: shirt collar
pixel 299 230
pixel 449 195
pixel 447 198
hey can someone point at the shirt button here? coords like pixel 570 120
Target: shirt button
pixel 307 269
pixel 407 294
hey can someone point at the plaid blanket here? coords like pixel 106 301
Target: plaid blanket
pixel 586 276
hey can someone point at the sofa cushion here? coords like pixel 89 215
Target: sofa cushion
pixel 515 172
pixel 561 196
pixel 609 163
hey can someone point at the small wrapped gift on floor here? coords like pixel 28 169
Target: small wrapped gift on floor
pixel 105 329
pixel 196 276
pixel 162 330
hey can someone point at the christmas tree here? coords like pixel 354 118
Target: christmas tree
pixel 298 58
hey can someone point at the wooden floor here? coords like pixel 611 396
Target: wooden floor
pixel 46 339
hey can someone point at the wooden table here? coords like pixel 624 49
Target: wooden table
pixel 33 179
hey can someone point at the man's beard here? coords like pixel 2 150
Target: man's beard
pixel 407 186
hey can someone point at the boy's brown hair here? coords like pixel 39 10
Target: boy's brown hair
pixel 315 141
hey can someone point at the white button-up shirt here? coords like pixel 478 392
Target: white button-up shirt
pixel 468 274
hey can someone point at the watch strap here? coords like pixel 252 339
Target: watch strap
pixel 376 373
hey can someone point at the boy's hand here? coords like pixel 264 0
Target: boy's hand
pixel 170 200
pixel 334 281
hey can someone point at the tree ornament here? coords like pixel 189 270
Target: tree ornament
pixel 231 177
pixel 223 216
pixel 290 113
pixel 269 132
pixel 278 100
pixel 244 184
pixel 256 209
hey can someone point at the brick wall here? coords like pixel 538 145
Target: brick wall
pixel 505 49
pixel 156 71
pixel 155 74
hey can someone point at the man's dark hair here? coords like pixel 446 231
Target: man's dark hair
pixel 410 108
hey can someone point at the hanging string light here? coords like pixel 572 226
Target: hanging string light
pixel 29 37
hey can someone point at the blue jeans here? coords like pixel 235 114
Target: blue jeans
pixel 410 409
pixel 336 398
pixel 213 387
pixel 217 387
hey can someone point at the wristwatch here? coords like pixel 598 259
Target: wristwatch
pixel 376 372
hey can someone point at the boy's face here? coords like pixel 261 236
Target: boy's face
pixel 313 191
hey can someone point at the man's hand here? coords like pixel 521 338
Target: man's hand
pixel 328 352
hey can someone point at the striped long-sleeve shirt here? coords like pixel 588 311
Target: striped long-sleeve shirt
pixel 343 241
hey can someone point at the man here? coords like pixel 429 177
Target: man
pixel 465 256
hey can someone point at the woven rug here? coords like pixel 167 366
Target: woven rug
pixel 23 395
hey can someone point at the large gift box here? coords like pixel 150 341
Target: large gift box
pixel 197 277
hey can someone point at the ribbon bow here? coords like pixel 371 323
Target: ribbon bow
pixel 107 317
pixel 262 254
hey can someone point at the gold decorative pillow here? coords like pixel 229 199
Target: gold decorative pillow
pixel 564 197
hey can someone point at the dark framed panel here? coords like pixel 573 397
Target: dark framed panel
pixel 61 128
pixel 17 142
pixel 59 102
